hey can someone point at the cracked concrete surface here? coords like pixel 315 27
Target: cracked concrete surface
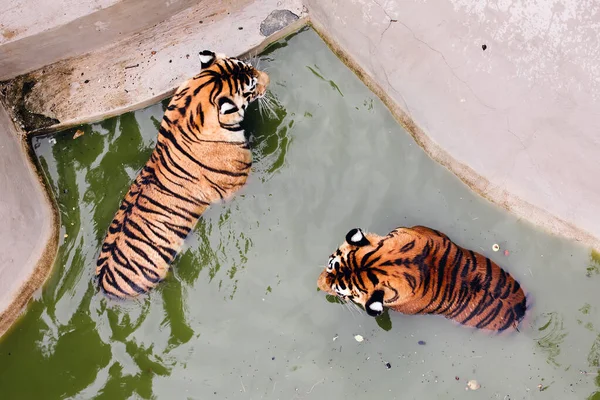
pixel 517 120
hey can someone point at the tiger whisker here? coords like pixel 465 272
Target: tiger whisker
pixel 349 308
pixel 356 307
pixel 267 106
pixel 261 112
pixel 270 101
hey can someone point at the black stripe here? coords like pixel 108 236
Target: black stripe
pixel 169 136
pixel 231 127
pixel 200 113
pixel 501 281
pixel 450 291
pixel 366 257
pixel 407 247
pixel 128 281
pixel 372 277
pixel 189 199
pixel 488 319
pixel 390 288
pixel 412 282
pixel 481 307
pixel 215 187
pixel 146 272
pixel 141 253
pixel 464 298
pixel 166 208
pixel 203 85
pixel 509 318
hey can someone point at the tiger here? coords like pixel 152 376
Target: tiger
pixel 201 157
pixel 419 270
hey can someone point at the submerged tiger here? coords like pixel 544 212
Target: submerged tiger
pixel 419 270
pixel 201 157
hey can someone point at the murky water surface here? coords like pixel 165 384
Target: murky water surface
pixel 239 317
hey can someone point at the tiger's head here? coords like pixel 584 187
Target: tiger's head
pixel 236 84
pixel 354 272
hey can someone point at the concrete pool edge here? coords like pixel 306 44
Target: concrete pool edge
pixel 476 182
pixel 86 119
pixel 44 249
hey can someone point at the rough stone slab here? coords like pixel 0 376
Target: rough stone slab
pixel 517 121
pixel 276 21
pixel 139 70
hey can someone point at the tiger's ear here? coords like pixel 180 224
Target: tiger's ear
pixel 207 57
pixel 356 237
pixel 374 306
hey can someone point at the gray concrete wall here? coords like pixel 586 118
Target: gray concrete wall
pixel 517 121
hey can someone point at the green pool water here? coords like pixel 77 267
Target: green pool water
pixel 239 316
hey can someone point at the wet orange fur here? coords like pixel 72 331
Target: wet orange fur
pixel 421 271
pixel 201 157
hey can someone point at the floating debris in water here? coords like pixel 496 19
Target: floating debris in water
pixel 52 141
pixel 335 337
pixel 422 342
pixel 495 247
pixel 359 338
pixel 456 378
pixel 388 365
pixel 78 133
pixel 506 253
pixel 483 47
pixel 472 385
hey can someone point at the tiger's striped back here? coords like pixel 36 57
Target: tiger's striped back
pixel 201 157
pixel 421 271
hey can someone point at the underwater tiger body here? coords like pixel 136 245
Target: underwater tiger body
pixel 201 157
pixel 421 271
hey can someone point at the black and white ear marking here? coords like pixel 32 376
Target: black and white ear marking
pixel 227 106
pixel 374 306
pixel 356 237
pixel 207 57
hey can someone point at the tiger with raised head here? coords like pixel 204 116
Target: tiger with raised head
pixel 419 270
pixel 201 157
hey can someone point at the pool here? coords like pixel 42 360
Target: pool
pixel 239 316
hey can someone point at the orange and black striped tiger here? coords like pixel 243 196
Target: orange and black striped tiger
pixel 201 157
pixel 419 270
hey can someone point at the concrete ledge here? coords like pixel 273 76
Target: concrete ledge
pixel 136 71
pixel 61 29
pixel 519 130
pixel 29 232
